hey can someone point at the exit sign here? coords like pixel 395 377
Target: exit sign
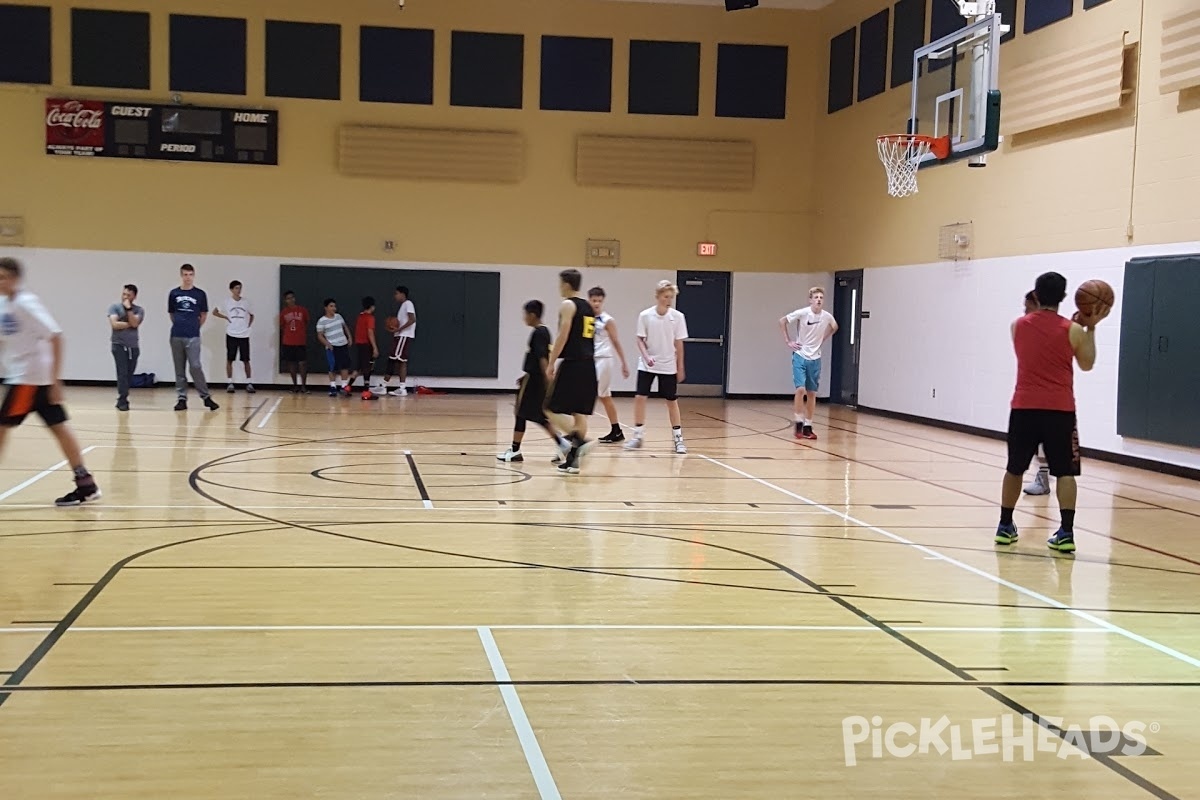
pixel 706 249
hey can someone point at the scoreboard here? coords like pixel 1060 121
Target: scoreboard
pixel 98 128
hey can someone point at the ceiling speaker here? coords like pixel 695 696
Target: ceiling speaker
pixel 737 5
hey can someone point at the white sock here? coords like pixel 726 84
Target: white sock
pixel 678 432
pixel 799 418
pixel 638 430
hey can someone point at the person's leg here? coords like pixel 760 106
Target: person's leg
pixel 197 370
pixel 645 381
pixel 55 417
pixel 179 355
pixel 121 360
pixel 231 352
pixel 812 382
pixel 1061 446
pixel 1023 440
pixel 1040 484
pixel 799 399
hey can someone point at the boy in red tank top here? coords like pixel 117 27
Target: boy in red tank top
pixel 1048 346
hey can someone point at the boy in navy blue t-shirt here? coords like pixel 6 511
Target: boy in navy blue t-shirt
pixel 188 309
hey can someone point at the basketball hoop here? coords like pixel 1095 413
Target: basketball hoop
pixel 902 153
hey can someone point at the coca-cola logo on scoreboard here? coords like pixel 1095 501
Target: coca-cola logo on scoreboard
pixel 74 127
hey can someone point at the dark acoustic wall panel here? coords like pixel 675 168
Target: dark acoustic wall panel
pixel 1093 3
pixel 110 48
pixel 208 54
pixel 873 55
pixel 908 34
pixel 752 81
pixel 24 44
pixel 1008 14
pixel 664 78
pixel 1158 382
pixel 395 65
pixel 1040 13
pixel 486 69
pixel 576 74
pixel 458 314
pixel 304 59
pixel 943 21
pixel 841 70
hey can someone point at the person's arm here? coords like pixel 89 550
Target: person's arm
pixel 135 317
pixel 216 313
pixel 1083 342
pixel 374 346
pixel 681 335
pixel 116 323
pixel 833 329
pixel 787 339
pixel 614 337
pixel 171 307
pixel 321 336
pixel 566 316
pixel 203 308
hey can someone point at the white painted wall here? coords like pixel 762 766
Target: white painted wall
pixel 945 327
pixel 78 286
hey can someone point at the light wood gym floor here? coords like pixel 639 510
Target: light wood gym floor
pixel 302 597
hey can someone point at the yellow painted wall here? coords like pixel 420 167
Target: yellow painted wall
pixel 305 208
pixel 1062 189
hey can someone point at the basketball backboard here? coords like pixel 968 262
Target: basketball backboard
pixel 956 87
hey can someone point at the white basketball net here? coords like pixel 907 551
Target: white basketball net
pixel 901 156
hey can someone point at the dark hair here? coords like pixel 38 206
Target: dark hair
pixel 402 290
pixel 289 291
pixel 325 303
pixel 1031 296
pixel 233 284
pixel 131 288
pixel 596 291
pixel 368 301
pixel 535 307
pixel 187 268
pixel 1050 289
pixel 572 278
pixel 11 266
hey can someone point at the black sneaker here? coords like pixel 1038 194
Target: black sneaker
pixel 181 405
pixel 211 404
pixel 122 405
pixel 81 495
pixel 612 436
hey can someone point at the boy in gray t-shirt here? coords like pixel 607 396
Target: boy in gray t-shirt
pixel 125 317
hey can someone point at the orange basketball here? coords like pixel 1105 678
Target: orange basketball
pixel 392 324
pixel 1093 297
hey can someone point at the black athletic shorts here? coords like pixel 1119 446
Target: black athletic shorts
pixel 366 359
pixel 237 349
pixel 575 388
pixel 668 385
pixel 293 353
pixel 338 358
pixel 531 399
pixel 1055 431
pixel 21 400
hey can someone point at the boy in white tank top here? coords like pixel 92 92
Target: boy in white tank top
pixel 607 343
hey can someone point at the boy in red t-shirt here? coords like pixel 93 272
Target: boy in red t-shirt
pixel 366 347
pixel 293 350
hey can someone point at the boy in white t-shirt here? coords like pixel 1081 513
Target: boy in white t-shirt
pixel 607 343
pixel 661 330
pixel 805 331
pixel 240 316
pixel 402 337
pixel 31 341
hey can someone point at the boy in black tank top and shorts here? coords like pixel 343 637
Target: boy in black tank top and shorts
pixel 574 386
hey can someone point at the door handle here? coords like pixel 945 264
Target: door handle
pixel 719 340
pixel 1163 344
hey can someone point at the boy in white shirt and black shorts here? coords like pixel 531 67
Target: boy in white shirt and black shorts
pixel 31 341
pixel 608 343
pixel 661 330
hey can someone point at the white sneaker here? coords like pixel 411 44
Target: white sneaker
pixel 509 455
pixel 634 444
pixel 401 392
pixel 1039 485
pixel 680 447
pixel 564 447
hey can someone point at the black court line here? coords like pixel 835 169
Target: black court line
pixel 416 473
pixel 627 681
pixel 900 622
pixel 438 566
pixel 986 669
pixel 17 676
pixel 76 584
pixel 253 411
pixel 35 622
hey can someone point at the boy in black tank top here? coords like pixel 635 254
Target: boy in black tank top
pixel 573 387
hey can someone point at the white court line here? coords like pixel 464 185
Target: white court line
pixel 267 417
pixel 39 476
pixel 542 627
pixel 516 712
pixel 1102 623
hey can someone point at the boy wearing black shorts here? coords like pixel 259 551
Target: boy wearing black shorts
pixel 31 341
pixel 661 331
pixel 366 350
pixel 1047 346
pixel 334 336
pixel 573 388
pixel 531 394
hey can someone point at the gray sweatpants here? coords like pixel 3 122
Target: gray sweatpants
pixel 186 352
